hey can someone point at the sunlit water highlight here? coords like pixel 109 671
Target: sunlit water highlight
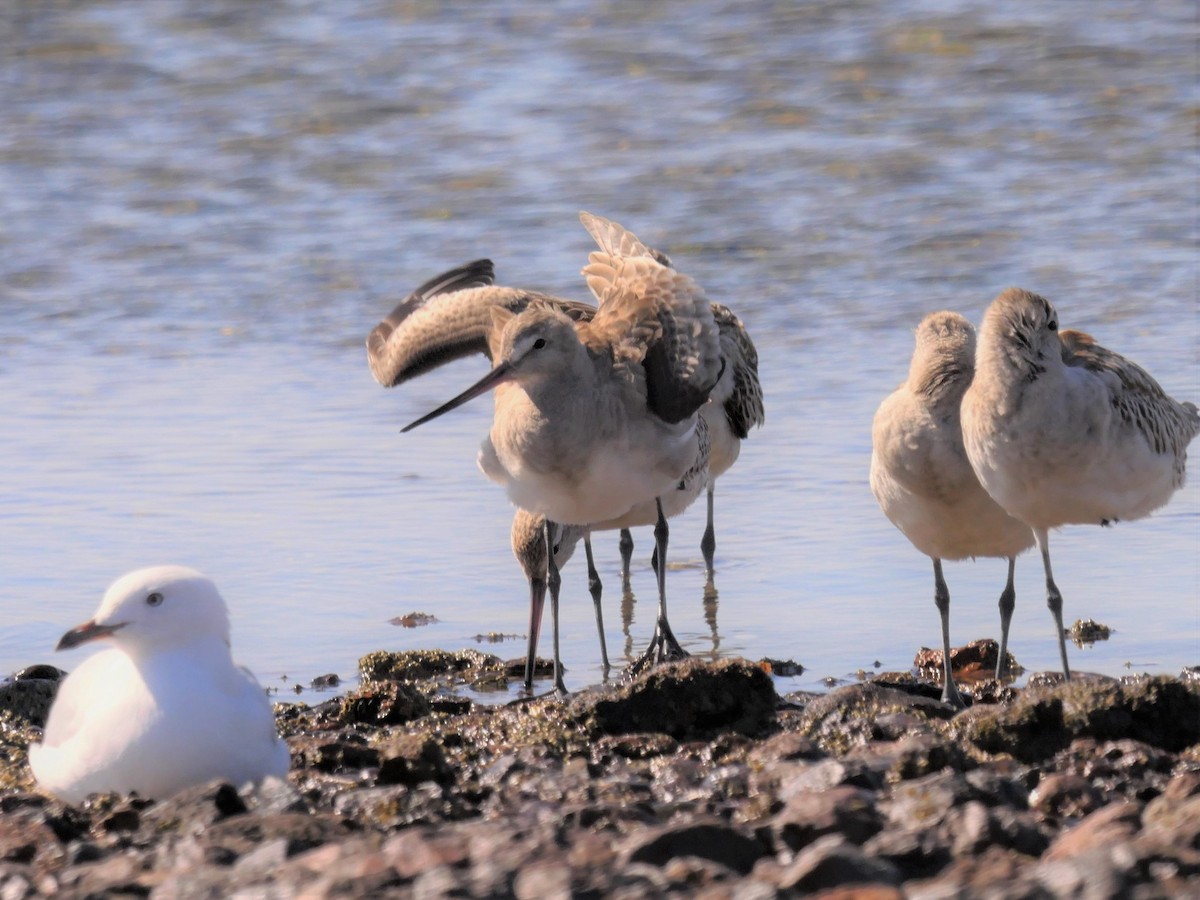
pixel 206 207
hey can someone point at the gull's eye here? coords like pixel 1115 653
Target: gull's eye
pixel 154 599
pixel 1052 325
pixel 539 343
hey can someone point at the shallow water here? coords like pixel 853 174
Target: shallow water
pixel 207 205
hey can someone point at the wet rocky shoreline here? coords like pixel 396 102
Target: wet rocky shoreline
pixel 695 780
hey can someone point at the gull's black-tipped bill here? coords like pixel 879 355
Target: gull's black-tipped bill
pixel 499 374
pixel 88 631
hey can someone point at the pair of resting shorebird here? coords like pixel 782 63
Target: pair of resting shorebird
pixel 619 414
pixel 990 444
pixel 606 417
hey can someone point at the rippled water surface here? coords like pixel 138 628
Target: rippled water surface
pixel 205 206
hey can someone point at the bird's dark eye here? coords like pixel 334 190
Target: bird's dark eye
pixel 539 343
pixel 1052 325
pixel 154 599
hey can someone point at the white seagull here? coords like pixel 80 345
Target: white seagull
pixel 164 707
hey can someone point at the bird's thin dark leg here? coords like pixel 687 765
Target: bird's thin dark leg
pixel 1008 602
pixel 1053 597
pixel 537 601
pixel 708 543
pixel 663 645
pixel 941 597
pixel 625 544
pixel 595 587
pixel 554 582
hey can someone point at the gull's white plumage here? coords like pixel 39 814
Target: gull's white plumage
pixel 165 707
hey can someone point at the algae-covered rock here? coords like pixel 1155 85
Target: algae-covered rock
pixel 383 703
pixel 30 692
pixel 411 759
pixel 848 716
pixel 688 699
pixel 414 665
pixel 1161 712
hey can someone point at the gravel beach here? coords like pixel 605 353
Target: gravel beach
pixel 696 780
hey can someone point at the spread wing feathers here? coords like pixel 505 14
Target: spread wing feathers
pixel 1138 399
pixel 447 318
pixel 651 315
pixel 479 273
pixel 614 240
pixel 744 406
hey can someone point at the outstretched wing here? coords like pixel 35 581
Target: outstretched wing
pixel 446 318
pixel 653 316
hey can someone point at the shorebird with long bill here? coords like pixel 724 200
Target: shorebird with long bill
pixel 923 481
pixel 592 418
pixel 1062 431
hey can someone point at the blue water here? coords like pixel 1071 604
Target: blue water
pixel 205 206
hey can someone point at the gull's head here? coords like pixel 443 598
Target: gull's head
pixel 154 608
pixel 944 359
pixel 1026 323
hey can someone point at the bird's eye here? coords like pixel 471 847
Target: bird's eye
pixel 154 599
pixel 539 343
pixel 1052 325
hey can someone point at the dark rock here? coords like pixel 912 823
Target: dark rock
pixel 543 881
pixel 995 874
pixel 808 815
pixel 21 840
pixel 785 746
pixel 196 807
pixel 972 662
pixel 924 802
pixel 1176 812
pixel 344 756
pixel 242 834
pixel 413 665
pixel 844 717
pixel 1100 831
pixel 1100 873
pixel 1161 712
pixel 689 699
pixel 29 698
pixel 1085 632
pixel 913 756
pixel 410 759
pixel 1064 795
pixel 635 746
pixel 711 840
pixel 419 849
pixel 384 703
pixel 833 862
pixel 915 852
pixel 451 706
pixel 858 892
pixel 782 668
